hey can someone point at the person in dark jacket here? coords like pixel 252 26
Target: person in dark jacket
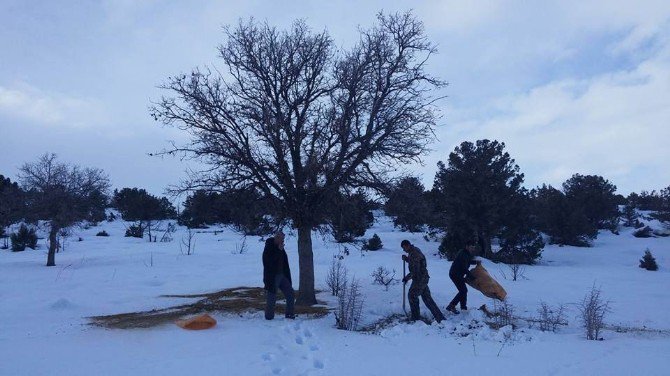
pixel 418 273
pixel 458 273
pixel 277 274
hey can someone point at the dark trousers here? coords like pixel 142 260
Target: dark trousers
pixel 462 296
pixel 422 290
pixel 284 285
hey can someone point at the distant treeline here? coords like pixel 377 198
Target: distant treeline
pixel 477 194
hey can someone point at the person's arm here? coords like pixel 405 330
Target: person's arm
pixel 267 265
pixel 413 266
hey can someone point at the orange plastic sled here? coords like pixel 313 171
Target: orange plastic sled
pixel 201 322
pixel 486 284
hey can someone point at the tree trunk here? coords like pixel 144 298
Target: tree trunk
pixel 484 243
pixel 53 245
pixel 306 294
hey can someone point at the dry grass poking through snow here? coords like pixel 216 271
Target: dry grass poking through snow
pixel 234 300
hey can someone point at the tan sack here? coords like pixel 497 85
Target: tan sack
pixel 486 284
pixel 201 322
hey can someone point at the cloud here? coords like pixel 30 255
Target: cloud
pixel 26 103
pixel 615 124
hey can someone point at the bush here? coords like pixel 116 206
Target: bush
pixel 24 237
pixel 592 311
pixel 373 244
pixel 384 277
pixel 102 233
pixel 349 306
pixel 644 232
pixel 135 231
pixel 503 315
pixel 337 276
pixel 648 261
pixel 551 318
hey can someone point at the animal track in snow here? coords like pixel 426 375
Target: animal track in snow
pixel 298 351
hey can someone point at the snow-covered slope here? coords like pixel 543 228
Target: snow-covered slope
pixel 43 327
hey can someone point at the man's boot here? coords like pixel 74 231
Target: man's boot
pixel 452 309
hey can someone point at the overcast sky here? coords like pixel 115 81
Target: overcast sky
pixel 569 86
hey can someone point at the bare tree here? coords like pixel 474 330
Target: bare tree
pixel 349 306
pixel 592 312
pixel 337 276
pixel 187 245
pixel 384 277
pixel 60 193
pixel 551 318
pixel 516 271
pixel 298 120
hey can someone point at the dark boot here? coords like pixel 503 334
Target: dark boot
pixel 452 309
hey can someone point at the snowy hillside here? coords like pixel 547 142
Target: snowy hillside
pixel 44 327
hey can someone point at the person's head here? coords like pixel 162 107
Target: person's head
pixel 279 237
pixel 405 245
pixel 471 246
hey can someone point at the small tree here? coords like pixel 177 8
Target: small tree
pixel 349 216
pixel 630 215
pixel 12 203
pixel 337 276
pixel 24 237
pixel 663 211
pixel 60 193
pixel 349 306
pixel 592 312
pixel 648 261
pixel 384 277
pixel 373 244
pixel 408 205
pixel 551 318
pixel 520 243
pixel 187 245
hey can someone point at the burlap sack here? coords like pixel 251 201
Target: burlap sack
pixel 201 322
pixel 486 284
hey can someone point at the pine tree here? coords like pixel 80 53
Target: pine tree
pixel 663 210
pixel 349 216
pixel 596 196
pixel 407 204
pixel 562 219
pixel 648 261
pixel 477 190
pixel 373 244
pixel 630 216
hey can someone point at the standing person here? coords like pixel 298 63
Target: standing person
pixel 277 274
pixel 458 273
pixel 418 273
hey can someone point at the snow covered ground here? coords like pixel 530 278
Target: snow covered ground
pixel 44 331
